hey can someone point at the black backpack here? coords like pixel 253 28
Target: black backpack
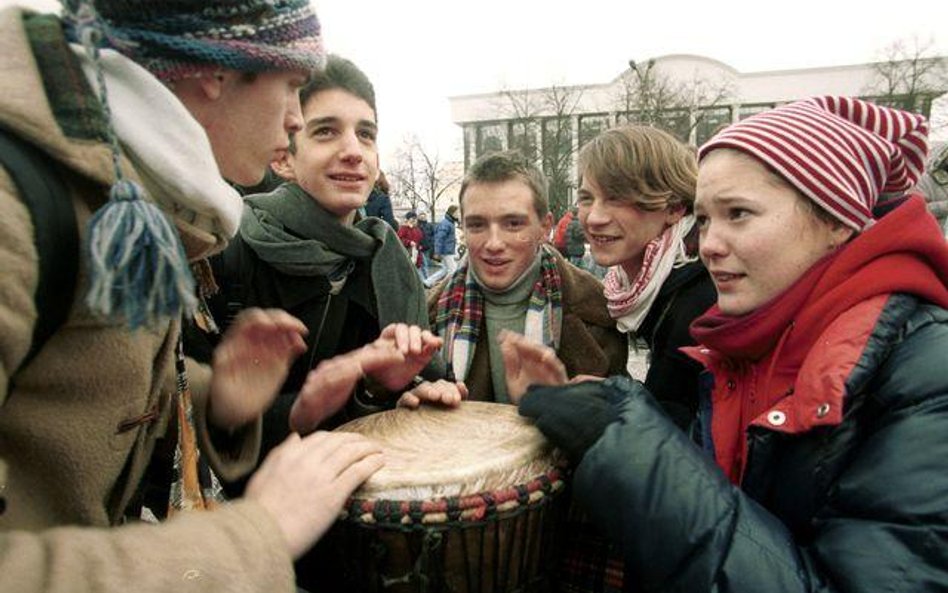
pixel 39 182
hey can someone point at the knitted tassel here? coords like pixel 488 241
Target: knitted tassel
pixel 138 268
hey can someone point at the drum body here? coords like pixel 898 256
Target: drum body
pixel 468 502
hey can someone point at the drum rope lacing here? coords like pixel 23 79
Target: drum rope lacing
pixel 455 509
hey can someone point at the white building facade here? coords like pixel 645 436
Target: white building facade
pixel 688 95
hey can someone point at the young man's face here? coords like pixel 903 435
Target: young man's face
pixel 250 122
pixel 502 230
pixel 336 159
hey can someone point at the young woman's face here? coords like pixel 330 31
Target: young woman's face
pixel 616 228
pixel 757 235
pixel 336 159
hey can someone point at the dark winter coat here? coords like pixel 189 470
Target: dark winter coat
pixel 855 507
pixel 427 241
pixel 338 321
pixel 672 375
pixel 445 238
pixel 379 205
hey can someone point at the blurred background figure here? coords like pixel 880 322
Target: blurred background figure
pixel 411 237
pixel 427 243
pixel 379 203
pixel 445 246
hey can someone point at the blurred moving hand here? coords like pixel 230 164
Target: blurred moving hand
pixel 251 363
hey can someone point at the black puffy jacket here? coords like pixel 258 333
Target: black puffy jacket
pixel 861 506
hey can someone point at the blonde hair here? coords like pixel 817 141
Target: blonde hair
pixel 642 164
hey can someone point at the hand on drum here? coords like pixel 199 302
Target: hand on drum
pixel 527 363
pixel 304 482
pixel 416 345
pixel 446 393
pixel 251 363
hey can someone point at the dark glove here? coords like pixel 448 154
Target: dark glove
pixel 573 417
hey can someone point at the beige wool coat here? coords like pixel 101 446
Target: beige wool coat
pixel 67 471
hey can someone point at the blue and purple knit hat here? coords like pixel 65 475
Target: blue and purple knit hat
pixel 187 38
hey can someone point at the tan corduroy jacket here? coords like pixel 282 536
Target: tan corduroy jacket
pixel 75 434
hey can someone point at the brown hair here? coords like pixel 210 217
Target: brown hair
pixel 642 164
pixel 509 165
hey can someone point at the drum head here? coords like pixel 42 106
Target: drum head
pixel 435 452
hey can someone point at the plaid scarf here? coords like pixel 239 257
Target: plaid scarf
pixel 461 310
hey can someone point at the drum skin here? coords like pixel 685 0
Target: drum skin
pixel 468 502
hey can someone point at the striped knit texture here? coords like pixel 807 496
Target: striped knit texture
pixel 460 312
pixel 187 38
pixel 840 152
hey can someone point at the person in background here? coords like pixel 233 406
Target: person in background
pixel 635 204
pixel 427 243
pixel 196 94
pixel 820 459
pixel 445 246
pixel 411 237
pixel 559 233
pixel 575 241
pixel 379 202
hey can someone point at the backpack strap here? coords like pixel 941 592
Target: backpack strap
pixel 56 235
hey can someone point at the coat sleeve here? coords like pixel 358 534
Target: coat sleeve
pixel 235 548
pixel 19 263
pixel 684 527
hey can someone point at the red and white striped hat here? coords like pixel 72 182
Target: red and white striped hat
pixel 840 152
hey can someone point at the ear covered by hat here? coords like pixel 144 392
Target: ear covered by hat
pixel 840 152
pixel 177 39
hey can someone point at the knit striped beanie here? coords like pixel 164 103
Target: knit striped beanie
pixel 177 39
pixel 840 152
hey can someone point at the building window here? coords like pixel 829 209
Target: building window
pixel 709 121
pixel 490 138
pixel 676 122
pixel 523 137
pixel 591 126
pixel 746 111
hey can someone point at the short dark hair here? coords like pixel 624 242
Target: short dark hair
pixel 341 74
pixel 509 165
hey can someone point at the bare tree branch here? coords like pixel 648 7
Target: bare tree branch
pixel 419 176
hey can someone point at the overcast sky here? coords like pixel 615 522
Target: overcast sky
pixel 420 52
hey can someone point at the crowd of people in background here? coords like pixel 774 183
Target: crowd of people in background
pixel 203 276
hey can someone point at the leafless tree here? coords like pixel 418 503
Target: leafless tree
pixel 909 77
pixel 648 96
pixel 545 114
pixel 420 177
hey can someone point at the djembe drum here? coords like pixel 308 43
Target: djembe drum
pixel 467 502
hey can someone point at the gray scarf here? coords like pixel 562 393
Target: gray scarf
pixel 292 232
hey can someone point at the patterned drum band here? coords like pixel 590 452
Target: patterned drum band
pixel 468 501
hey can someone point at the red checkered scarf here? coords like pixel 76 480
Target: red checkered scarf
pixel 629 300
pixel 461 310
